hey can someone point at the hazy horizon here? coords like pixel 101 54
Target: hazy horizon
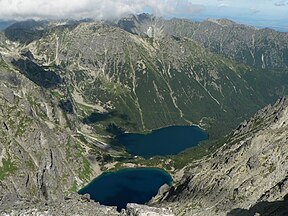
pixel 262 14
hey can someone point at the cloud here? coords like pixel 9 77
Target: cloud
pixel 98 9
pixel 222 5
pixel 255 11
pixel 281 3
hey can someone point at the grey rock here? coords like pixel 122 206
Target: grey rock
pixel 142 210
pixel 249 170
pixel 74 204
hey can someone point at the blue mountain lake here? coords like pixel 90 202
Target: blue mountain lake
pixel 165 141
pixel 139 185
pixel 132 185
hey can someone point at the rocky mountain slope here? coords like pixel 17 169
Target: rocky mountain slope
pixel 74 205
pixel 141 83
pixel 262 48
pixel 42 155
pixel 249 171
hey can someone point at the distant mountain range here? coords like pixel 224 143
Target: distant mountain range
pixel 5 24
pixel 263 48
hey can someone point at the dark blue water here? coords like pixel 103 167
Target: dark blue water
pixel 165 141
pixel 135 185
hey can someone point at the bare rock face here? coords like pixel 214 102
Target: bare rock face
pixel 40 154
pixel 73 204
pixel 142 210
pixel 249 171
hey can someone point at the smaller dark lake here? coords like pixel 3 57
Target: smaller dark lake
pixel 165 141
pixel 132 185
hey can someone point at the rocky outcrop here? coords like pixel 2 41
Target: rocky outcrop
pixel 142 210
pixel 73 204
pixel 41 156
pixel 250 169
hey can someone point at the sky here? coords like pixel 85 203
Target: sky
pixel 260 13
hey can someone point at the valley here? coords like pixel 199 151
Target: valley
pixel 82 98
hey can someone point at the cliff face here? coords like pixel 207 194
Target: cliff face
pixel 250 169
pixel 41 156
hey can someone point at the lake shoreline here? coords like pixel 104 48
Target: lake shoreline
pixel 127 185
pixel 166 141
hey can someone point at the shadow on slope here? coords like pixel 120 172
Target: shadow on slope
pixel 34 72
pixel 276 208
pixel 26 31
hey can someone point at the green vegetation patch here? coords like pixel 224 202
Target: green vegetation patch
pixel 7 169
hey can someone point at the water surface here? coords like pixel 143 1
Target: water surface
pixel 165 141
pixel 132 185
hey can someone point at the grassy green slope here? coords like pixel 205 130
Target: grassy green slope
pixel 150 83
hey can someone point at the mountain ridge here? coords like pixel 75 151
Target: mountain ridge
pixel 149 48
pixel 247 170
pixel 263 48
